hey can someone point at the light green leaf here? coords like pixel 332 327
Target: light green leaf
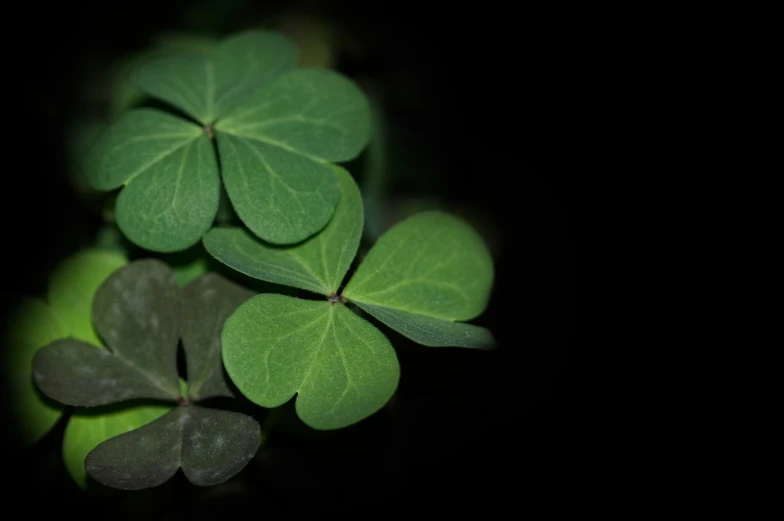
pixel 274 149
pixel 86 430
pixel 432 264
pixel 210 445
pixel 318 264
pixel 342 367
pixel 32 326
pixel 429 331
pixel 170 175
pixel 76 373
pixel 207 302
pixel 72 287
pixel 207 84
pixel 137 312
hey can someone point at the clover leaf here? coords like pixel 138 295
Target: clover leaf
pixel 142 314
pixel 278 129
pixel 423 277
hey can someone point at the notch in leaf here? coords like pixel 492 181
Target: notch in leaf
pixel 277 129
pixel 141 313
pixel 421 278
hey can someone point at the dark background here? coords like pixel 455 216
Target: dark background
pixel 499 96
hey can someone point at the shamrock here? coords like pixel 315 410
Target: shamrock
pixel 142 314
pixel 278 129
pixel 423 278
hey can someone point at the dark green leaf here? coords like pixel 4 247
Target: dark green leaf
pixel 76 373
pixel 207 302
pixel 342 367
pixel 86 430
pixel 210 445
pixel 429 331
pixel 318 264
pixel 275 146
pixel 207 84
pixel 137 312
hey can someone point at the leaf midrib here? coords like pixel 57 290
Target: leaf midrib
pixel 160 158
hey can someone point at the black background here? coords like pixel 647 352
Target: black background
pixel 503 97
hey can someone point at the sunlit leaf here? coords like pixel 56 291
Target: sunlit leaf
pixel 170 174
pixel 137 312
pixel 207 84
pixel 275 146
pixel 73 284
pixel 342 368
pixel 32 326
pixel 432 264
pixel 210 445
pixel 86 430
pixel 207 302
pixel 318 264
pixel 76 373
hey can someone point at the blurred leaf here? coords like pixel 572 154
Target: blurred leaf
pixel 32 326
pixel 73 284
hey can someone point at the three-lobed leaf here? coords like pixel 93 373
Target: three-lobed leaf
pixel 341 367
pixel 209 445
pixel 318 264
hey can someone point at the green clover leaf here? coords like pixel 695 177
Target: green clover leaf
pixel 142 314
pixel 277 128
pixel 423 278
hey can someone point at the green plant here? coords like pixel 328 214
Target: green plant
pixel 277 128
pixel 238 111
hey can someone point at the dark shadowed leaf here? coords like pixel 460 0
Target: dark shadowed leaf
pixel 210 445
pixel 318 264
pixel 86 429
pixel 137 311
pixel 76 373
pixel 342 368
pixel 207 302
